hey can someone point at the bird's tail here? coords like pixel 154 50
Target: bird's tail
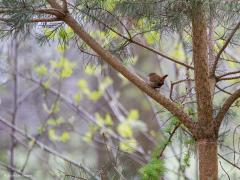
pixel 165 76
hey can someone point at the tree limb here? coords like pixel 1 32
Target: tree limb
pixel 118 66
pixel 224 47
pixel 227 104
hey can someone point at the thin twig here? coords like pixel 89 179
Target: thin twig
pixel 15 170
pixel 224 47
pixel 229 73
pixel 169 140
pixel 224 170
pixel 234 165
pixel 46 148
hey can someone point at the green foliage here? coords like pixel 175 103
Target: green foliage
pixel 93 95
pixel 186 159
pixel 100 123
pixel 55 122
pixel 153 170
pixel 103 121
pixel 41 70
pixel 63 137
pixel 125 130
pixel 133 114
pixel 152 37
pixel 128 145
pixel 62 68
pixel 173 122
pixel 155 167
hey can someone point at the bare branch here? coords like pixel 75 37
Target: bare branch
pixel 44 147
pixel 224 170
pixel 221 89
pixel 227 104
pixel 229 73
pixel 175 83
pixel 15 170
pixel 229 78
pixel 224 47
pixel 234 165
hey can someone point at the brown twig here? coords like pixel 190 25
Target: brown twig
pixel 223 90
pixel 229 73
pixel 175 83
pixel 229 78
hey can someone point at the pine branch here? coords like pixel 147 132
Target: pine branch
pixel 36 20
pixel 131 40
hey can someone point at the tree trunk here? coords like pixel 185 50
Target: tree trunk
pixel 207 154
pixel 206 134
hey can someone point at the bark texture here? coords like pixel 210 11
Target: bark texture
pixel 201 72
pixel 207 135
pixel 207 154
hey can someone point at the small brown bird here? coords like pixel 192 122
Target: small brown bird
pixel 156 81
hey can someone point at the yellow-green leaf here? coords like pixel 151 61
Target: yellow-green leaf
pixel 52 135
pixel 61 47
pixel 108 120
pixel 64 137
pixel 55 122
pixel 95 95
pixel 99 120
pixel 128 145
pixel 133 115
pixel 125 130
pixel 41 70
pixel 89 70
pixel 88 137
